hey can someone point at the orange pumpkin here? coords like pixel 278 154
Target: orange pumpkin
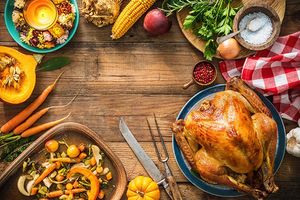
pixel 18 90
pixel 143 188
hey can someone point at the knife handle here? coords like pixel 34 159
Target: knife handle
pixel 174 188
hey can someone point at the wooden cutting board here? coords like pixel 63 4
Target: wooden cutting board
pixel 198 43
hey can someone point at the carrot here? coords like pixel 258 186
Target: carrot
pixel 34 191
pixel 36 116
pixel 55 194
pixel 101 194
pixel 65 160
pixel 20 117
pixel 42 127
pixel 74 191
pixel 58 193
pixel 45 173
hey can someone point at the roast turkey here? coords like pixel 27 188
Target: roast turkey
pixel 231 140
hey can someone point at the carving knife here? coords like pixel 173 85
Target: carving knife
pixel 143 157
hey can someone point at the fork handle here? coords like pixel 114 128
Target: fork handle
pixel 174 188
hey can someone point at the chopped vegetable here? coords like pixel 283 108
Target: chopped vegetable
pixel 93 161
pixel 21 185
pixel 69 186
pixel 93 193
pixel 82 156
pixel 64 177
pixel 101 194
pixel 55 194
pixel 65 160
pixel 47 182
pixel 47 171
pixel 73 151
pixel 109 176
pixel 96 154
pixel 81 147
pixel 51 146
pixel 34 190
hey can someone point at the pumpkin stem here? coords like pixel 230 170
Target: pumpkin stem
pixel 142 194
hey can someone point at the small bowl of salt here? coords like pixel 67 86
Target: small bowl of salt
pixel 259 26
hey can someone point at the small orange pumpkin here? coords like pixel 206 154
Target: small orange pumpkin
pixel 143 188
pixel 25 85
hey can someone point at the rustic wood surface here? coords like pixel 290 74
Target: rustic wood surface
pixel 135 77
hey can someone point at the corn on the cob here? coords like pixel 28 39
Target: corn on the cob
pixel 131 13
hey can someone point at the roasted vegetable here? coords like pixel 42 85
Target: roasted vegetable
pixel 51 146
pixel 73 151
pixel 93 193
pixel 45 173
pixel 62 177
pixel 131 13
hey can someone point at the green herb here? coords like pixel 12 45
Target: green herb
pixel 54 63
pixel 208 19
pixel 13 155
pixel 9 147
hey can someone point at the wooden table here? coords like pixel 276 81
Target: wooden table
pixel 135 77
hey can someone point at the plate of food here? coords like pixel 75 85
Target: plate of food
pixel 41 26
pixel 202 22
pixel 229 141
pixel 69 161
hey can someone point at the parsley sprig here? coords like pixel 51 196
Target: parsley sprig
pixel 208 19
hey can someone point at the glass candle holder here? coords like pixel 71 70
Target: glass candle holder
pixel 40 14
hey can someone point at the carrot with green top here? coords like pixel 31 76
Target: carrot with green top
pixel 45 173
pixel 24 114
pixel 37 129
pixel 36 116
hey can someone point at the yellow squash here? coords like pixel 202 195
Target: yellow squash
pixel 27 65
pixel 143 188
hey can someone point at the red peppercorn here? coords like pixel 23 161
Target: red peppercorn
pixel 204 72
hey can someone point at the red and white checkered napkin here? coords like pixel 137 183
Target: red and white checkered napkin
pixel 273 71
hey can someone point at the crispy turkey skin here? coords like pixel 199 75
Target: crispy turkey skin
pixel 231 140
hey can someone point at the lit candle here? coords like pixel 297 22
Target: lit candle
pixel 40 14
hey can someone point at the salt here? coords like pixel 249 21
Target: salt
pixel 259 22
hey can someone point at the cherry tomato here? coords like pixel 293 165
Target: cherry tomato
pixel 51 146
pixel 73 151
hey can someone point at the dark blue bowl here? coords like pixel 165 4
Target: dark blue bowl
pixel 194 178
pixel 9 7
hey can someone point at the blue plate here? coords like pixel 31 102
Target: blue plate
pixel 219 190
pixel 9 7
